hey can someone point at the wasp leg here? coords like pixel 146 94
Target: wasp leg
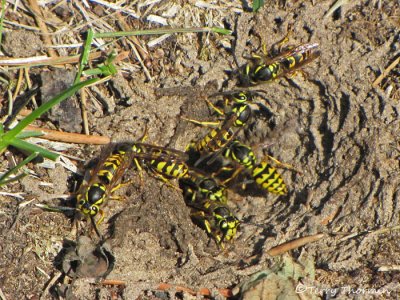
pixel 202 123
pixel 208 123
pixel 165 180
pixel 102 215
pixel 282 165
pixel 285 40
pixel 234 175
pixel 299 71
pixel 140 170
pixel 216 109
pixel 200 218
pixel 122 184
pixel 228 169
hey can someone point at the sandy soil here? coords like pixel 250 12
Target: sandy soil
pixel 330 123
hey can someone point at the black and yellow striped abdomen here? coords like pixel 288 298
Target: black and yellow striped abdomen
pixel 269 179
pixel 110 166
pixel 215 140
pixel 262 69
pixel 169 168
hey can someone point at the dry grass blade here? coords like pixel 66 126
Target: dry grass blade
pixel 2 296
pixel 334 7
pixel 389 268
pixel 42 25
pixel 386 72
pixel 44 60
pixel 116 7
pixel 285 247
pixel 50 284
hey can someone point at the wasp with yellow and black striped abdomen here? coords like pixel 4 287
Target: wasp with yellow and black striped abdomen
pixel 162 162
pixel 263 69
pixel 198 187
pixel 104 180
pixel 167 163
pixel 206 197
pixel 217 220
pixel 264 174
pixel 234 119
pixel 237 112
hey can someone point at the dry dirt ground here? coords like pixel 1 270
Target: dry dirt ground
pixel 332 124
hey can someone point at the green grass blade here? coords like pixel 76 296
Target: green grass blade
pixel 257 4
pixel 3 178
pixel 31 148
pixel 85 55
pixel 28 134
pixel 160 31
pixel 6 139
pixel 105 69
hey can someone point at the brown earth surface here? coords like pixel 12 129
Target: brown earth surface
pixel 331 123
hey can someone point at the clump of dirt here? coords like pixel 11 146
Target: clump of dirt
pixel 21 43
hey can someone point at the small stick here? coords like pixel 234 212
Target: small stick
pixel 42 25
pixel 386 72
pixel 285 247
pixel 134 39
pixel 113 282
pixel 69 137
pixel 50 284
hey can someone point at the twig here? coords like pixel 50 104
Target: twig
pixel 145 70
pixel 143 53
pixel 42 25
pixel 113 282
pixel 139 51
pixel 385 72
pixel 69 137
pixel 50 284
pixel 285 247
